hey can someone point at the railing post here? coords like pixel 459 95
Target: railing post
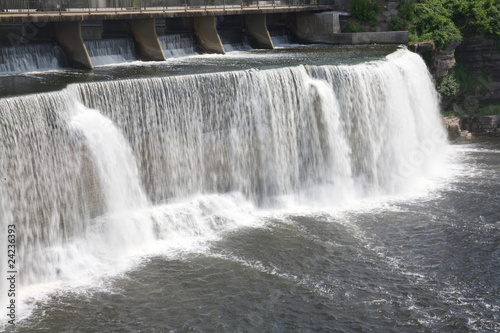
pixel 28 7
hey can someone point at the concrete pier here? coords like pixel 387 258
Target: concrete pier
pixel 69 36
pixel 257 30
pixel 205 28
pixel 309 23
pixel 141 31
pixel 146 41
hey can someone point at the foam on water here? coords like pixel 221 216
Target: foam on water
pixel 101 174
pixel 178 45
pixel 110 51
pixel 29 58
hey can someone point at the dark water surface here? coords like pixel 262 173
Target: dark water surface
pixel 425 259
pixel 36 82
pixel 410 265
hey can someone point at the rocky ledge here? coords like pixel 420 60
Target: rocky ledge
pixel 481 125
pixel 468 127
pixel 455 132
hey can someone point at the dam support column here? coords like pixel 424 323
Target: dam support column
pixel 317 27
pixel 205 28
pixel 141 31
pixel 69 36
pixel 146 40
pixel 257 30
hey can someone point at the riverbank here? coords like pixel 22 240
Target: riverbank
pixel 468 127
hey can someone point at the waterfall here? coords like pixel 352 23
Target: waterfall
pixel 234 40
pixel 29 58
pixel 280 37
pixel 113 158
pixel 110 51
pixel 177 45
pixel 102 165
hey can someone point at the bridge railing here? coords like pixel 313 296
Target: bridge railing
pixel 33 6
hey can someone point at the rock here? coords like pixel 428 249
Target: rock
pixel 443 60
pixel 422 47
pixel 439 62
pixel 481 125
pixel 452 125
pixel 481 57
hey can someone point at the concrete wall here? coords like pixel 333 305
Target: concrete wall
pixel 325 28
pixel 69 37
pixel 146 41
pixel 142 31
pixel 257 30
pixel 316 27
pixel 360 38
pixel 205 28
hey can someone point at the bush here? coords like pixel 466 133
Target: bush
pixel 445 21
pixel 364 10
pixel 433 22
pixel 449 86
pixel 396 24
pixel 353 27
pixel 407 10
pixel 488 109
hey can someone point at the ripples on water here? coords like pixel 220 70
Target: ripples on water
pixel 429 264
pixel 427 260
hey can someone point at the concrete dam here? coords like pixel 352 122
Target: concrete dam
pixel 61 23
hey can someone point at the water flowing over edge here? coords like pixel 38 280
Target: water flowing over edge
pixel 30 58
pixel 195 154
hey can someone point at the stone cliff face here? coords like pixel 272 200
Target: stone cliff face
pixel 443 61
pixel 438 61
pixel 481 58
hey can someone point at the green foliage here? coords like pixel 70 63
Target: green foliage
pixel 446 21
pixel 353 27
pixel 449 86
pixel 413 37
pixel 364 10
pixel 446 113
pixel 407 10
pixel 432 22
pixel 491 109
pixel 471 17
pixel 396 24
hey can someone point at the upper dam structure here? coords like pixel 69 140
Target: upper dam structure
pixel 60 22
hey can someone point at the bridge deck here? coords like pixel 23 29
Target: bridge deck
pixel 78 14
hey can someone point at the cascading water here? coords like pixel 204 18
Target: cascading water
pixel 233 40
pixel 177 45
pixel 99 167
pixel 30 58
pixel 110 51
pixel 280 37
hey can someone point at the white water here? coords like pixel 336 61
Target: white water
pixel 110 51
pixel 233 41
pixel 28 58
pixel 173 162
pixel 177 45
pixel 113 158
pixel 280 38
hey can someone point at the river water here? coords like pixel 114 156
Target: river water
pixel 305 189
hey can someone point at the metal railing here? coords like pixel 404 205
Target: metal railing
pixel 89 6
